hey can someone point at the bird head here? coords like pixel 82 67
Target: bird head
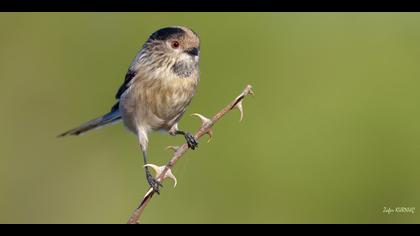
pixel 176 48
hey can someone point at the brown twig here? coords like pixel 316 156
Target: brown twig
pixel 207 124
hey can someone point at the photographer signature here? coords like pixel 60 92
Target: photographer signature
pixel 399 210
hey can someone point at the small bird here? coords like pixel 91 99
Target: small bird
pixel 158 87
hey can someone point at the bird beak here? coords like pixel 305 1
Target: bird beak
pixel 192 51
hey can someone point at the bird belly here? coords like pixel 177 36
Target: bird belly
pixel 156 104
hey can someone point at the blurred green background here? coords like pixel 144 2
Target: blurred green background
pixel 332 135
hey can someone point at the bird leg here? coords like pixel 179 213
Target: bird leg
pixel 152 181
pixel 191 141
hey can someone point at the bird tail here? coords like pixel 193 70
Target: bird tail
pixel 110 118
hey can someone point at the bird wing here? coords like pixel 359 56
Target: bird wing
pixel 129 76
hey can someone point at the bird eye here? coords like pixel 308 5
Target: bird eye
pixel 175 44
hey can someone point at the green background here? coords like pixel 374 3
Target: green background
pixel 332 135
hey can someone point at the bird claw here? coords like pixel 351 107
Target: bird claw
pixel 159 170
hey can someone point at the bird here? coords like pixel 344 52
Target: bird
pixel 159 85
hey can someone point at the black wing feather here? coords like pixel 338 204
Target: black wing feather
pixel 128 78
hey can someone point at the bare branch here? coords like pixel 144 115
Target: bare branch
pixel 206 126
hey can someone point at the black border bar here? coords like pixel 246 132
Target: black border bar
pixel 203 6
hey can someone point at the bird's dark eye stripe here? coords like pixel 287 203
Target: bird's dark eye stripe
pixel 166 33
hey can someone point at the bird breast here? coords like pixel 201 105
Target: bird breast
pixel 157 103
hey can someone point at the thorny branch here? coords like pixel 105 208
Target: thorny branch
pixel 164 172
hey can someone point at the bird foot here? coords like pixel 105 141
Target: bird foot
pixel 159 170
pixel 191 141
pixel 153 183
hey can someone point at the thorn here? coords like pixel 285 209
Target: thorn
pixel 248 90
pixel 205 121
pixel 148 192
pixel 173 148
pixel 159 170
pixel 241 109
pixel 210 134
